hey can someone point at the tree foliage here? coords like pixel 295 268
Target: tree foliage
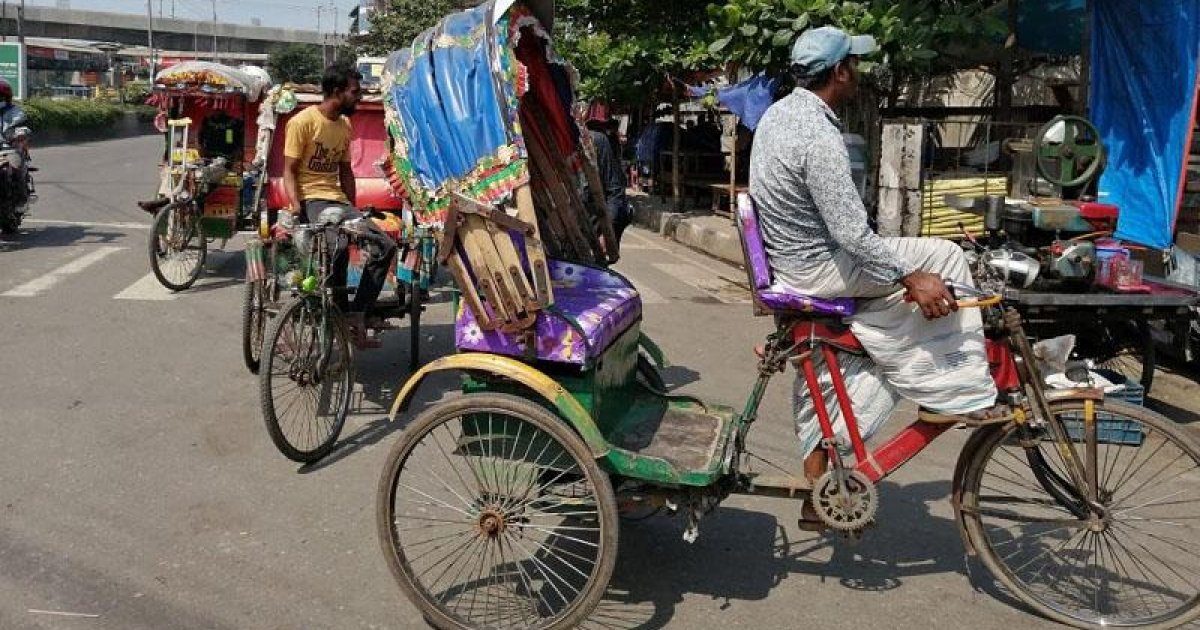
pixel 297 63
pixel 624 49
pixel 913 35
pixel 397 27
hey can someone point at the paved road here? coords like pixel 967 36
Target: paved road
pixel 138 487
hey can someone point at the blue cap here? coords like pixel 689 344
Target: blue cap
pixel 820 49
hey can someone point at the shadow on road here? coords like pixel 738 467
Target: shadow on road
pixel 41 236
pixel 744 555
pixel 380 374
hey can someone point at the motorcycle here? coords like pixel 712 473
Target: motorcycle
pixel 16 183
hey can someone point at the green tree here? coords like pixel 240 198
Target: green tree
pixel 624 49
pixel 295 63
pixel 915 36
pixel 397 27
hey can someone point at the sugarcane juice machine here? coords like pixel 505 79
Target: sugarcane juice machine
pixel 1047 236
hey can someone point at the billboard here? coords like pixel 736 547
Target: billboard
pixel 12 67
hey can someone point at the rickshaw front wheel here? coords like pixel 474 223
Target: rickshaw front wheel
pixel 1126 558
pixel 177 246
pixel 493 513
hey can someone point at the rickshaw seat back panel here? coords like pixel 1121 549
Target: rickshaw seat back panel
pixel 772 297
pixel 593 307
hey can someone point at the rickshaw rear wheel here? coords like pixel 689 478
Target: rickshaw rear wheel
pixel 1128 561
pixel 254 323
pixel 177 246
pixel 492 512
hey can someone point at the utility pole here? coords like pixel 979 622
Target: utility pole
pixel 149 35
pixel 324 42
pixel 214 29
pixel 333 38
pixel 21 22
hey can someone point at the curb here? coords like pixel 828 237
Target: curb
pixel 128 126
pixel 707 233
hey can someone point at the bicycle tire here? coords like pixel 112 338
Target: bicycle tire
pixel 254 323
pixel 414 326
pixel 985 450
pixel 189 270
pixel 438 610
pixel 302 372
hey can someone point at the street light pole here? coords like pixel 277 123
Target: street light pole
pixel 149 34
pixel 214 29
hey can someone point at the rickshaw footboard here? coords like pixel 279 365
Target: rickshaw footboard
pixel 687 437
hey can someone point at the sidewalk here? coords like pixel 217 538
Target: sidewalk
pixel 697 228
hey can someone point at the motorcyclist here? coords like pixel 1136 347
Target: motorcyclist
pixel 14 128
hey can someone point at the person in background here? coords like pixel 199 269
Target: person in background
pixel 612 175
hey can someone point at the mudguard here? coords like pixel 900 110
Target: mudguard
pixel 558 397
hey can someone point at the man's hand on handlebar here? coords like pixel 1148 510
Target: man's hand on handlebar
pixel 929 291
pixel 282 230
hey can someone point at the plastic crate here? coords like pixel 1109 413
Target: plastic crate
pixel 1121 432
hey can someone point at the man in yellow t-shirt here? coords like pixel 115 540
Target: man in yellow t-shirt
pixel 318 180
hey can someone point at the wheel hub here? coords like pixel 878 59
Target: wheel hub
pixel 492 523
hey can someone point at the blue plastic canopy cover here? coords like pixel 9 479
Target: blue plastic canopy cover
pixel 1144 82
pixel 448 101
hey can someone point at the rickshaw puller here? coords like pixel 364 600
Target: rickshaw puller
pixel 819 243
pixel 318 178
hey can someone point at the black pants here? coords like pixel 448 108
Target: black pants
pixel 375 270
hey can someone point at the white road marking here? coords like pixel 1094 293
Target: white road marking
pixel 146 288
pixel 90 224
pixel 40 285
pixel 649 295
pixel 705 280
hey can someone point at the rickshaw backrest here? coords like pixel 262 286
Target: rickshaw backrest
pixel 772 298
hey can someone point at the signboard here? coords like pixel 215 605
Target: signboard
pixel 12 67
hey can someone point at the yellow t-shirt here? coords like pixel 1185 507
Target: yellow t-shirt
pixel 321 145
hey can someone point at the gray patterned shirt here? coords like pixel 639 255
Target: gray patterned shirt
pixel 808 206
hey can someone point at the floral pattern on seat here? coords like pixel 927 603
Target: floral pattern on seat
pixel 601 304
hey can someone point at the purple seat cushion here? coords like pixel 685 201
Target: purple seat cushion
pixel 778 297
pixel 600 303
pixel 775 296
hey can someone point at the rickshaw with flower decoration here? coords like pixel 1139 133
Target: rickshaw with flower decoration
pixel 500 507
pixel 210 168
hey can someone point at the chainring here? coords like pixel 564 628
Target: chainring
pixel 826 501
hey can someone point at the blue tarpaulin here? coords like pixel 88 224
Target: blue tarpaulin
pixel 1144 82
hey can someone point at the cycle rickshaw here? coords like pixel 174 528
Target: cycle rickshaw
pixel 499 508
pixel 210 173
pixel 294 337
